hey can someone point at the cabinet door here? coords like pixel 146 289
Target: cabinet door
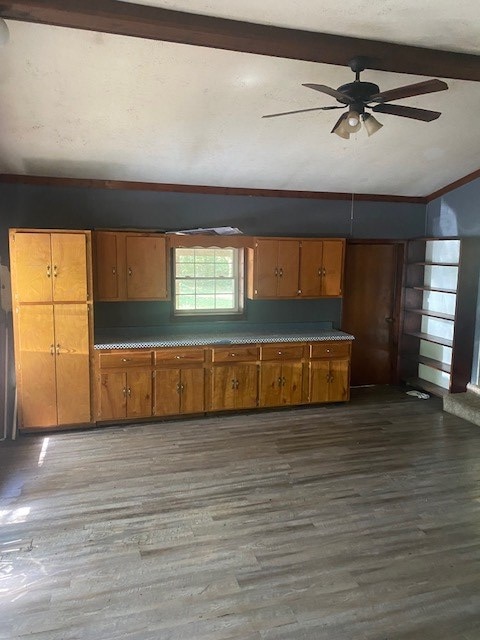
pixel 139 393
pixel 192 394
pixel 72 363
pixel 270 384
pixel 339 388
pixel 319 380
pixel 32 266
pixel 291 376
pixel 69 267
pixel 146 267
pixel 288 268
pixel 113 395
pixel 37 389
pixel 223 392
pixel 106 266
pixel 166 384
pixel 266 268
pixel 333 267
pixel 311 268
pixel 246 387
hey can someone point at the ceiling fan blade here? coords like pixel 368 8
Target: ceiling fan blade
pixel 407 112
pixel 287 113
pixel 428 86
pixel 338 95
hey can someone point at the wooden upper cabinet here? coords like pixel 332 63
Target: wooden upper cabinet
pixel 50 267
pixel 130 266
pixel 146 262
pixel 321 268
pixel 273 268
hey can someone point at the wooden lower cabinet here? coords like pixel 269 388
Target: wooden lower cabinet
pixel 53 364
pixel 126 394
pixel 329 380
pixel 178 391
pixel 233 387
pixel 280 384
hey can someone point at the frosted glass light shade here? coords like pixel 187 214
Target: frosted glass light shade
pixel 341 129
pixel 371 124
pixel 4 33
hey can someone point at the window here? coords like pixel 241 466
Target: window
pixel 208 281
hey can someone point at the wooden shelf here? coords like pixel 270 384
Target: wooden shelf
pixel 436 289
pixel 429 362
pixel 432 314
pixel 429 338
pixel 427 386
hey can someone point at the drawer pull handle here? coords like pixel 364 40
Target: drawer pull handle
pixel 55 271
pixel 58 349
pixel 52 349
pixel 233 384
pixel 126 359
pixel 114 271
pixel 130 271
pixel 179 357
pixel 129 392
pixel 124 392
pixel 275 271
pixel 327 350
pixel 232 355
pixel 280 272
pixel 280 353
pixel 48 271
pixel 320 272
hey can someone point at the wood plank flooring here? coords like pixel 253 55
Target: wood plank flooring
pixel 342 522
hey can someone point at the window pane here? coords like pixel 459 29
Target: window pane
pixel 205 286
pixel 186 286
pixel 185 302
pixel 223 270
pixel 224 286
pixel 185 255
pixel 225 302
pixel 185 270
pixel 205 302
pixel 204 270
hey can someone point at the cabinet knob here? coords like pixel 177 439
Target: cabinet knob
pixel 275 271
pixel 280 272
pixel 179 357
pixel 320 272
pixel 280 353
pixel 55 271
pixel 327 350
pixel 125 359
pixel 48 270
pixel 58 349
pixel 129 392
pixel 130 271
pixel 114 271
pixel 232 355
pixel 52 349
pixel 233 384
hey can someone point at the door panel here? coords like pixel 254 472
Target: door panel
pixel 339 388
pixel 113 395
pixel 69 267
pixel 193 391
pixel 33 267
pixel 146 267
pixel 311 268
pixel 370 303
pixel 223 388
pixel 288 268
pixel 270 390
pixel 319 380
pixel 266 268
pixel 106 266
pixel 139 394
pixel 246 388
pixel 292 383
pixel 167 392
pixel 37 398
pixel 72 362
pixel 333 267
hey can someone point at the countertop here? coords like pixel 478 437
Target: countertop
pixel 248 336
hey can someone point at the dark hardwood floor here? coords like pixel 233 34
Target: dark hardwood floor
pixel 343 522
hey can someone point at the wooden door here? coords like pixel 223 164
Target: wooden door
pixel 270 384
pixel 246 386
pixel 192 396
pixel 113 395
pixel 332 267
pixel 319 380
pixel 311 265
pixel 37 387
pixel 266 268
pixel 339 387
pixel 72 363
pixel 288 268
pixel 223 392
pixel 32 267
pixel 166 392
pixel 291 383
pixel 146 267
pixel 69 267
pixel 106 266
pixel 371 302
pixel 139 393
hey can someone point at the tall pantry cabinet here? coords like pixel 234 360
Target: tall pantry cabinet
pixel 51 290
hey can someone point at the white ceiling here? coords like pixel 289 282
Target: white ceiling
pixel 89 105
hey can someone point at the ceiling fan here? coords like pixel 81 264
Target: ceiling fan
pixel 359 96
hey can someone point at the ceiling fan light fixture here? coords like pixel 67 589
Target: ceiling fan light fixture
pixel 341 128
pixel 371 124
pixel 353 121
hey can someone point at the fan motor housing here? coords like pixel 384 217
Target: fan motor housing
pixel 359 91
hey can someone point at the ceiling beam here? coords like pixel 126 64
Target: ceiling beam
pixel 112 16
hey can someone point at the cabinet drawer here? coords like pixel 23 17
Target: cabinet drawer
pixel 330 349
pixel 234 354
pixel 179 355
pixel 282 352
pixel 123 359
